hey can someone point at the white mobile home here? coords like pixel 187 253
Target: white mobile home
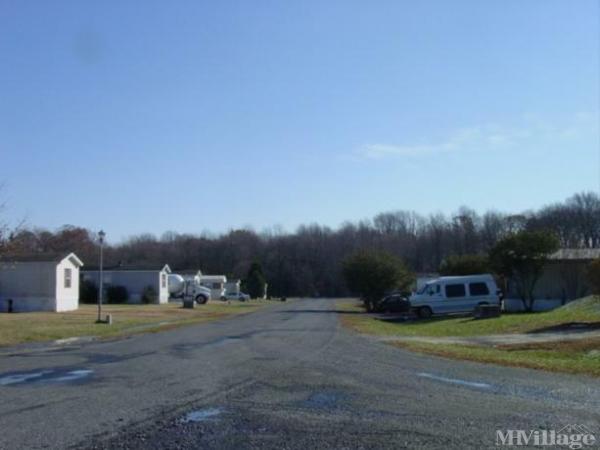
pixel 136 279
pixel 191 275
pixel 39 283
pixel 563 279
pixel 216 284
pixel 233 287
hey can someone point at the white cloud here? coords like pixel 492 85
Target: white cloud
pixel 491 137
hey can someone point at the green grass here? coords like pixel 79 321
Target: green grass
pixel 127 319
pixel 585 311
pixel 579 357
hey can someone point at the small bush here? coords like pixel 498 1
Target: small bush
pixel 88 292
pixel 149 295
pixel 116 294
pixel 594 276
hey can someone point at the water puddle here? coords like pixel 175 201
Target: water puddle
pixel 45 376
pixel 226 340
pixel 22 377
pixel 74 375
pixel 201 415
pixel 474 384
pixel 323 400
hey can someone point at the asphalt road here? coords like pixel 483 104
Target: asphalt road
pixel 287 376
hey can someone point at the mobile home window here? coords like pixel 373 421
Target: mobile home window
pixel 68 278
pixel 216 286
pixel 455 290
pixel 478 289
pixel 163 280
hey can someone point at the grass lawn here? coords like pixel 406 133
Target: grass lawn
pixel 583 311
pixel 580 356
pixel 127 319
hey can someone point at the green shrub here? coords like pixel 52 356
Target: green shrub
pixel 594 276
pixel 372 274
pixel 116 294
pixel 88 291
pixel 149 295
pixel 255 282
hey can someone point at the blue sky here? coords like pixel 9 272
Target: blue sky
pixel 195 115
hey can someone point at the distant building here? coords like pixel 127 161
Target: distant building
pixel 216 284
pixel 136 279
pixel 563 278
pixel 39 283
pixel 233 286
pixel 191 274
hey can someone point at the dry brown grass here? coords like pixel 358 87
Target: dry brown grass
pixel 127 319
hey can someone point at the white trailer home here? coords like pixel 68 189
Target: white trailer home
pixel 191 275
pixel 39 283
pixel 233 287
pixel 563 279
pixel 216 284
pixel 136 279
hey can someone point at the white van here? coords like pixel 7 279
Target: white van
pixel 461 294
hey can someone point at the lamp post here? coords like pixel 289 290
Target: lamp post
pixel 101 235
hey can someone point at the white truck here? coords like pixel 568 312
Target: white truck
pixel 188 289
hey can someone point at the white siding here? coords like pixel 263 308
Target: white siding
pixel 232 287
pixel 163 296
pixel 216 284
pixel 135 281
pixel 67 298
pixel 38 286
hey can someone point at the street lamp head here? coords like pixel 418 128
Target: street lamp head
pixel 101 235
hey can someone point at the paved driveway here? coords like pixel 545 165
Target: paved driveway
pixel 283 377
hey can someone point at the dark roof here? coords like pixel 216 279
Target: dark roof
pixel 128 267
pixel 37 257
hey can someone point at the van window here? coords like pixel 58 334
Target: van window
pixel 455 290
pixel 432 289
pixel 478 289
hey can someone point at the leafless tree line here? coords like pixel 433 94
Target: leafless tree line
pixel 307 262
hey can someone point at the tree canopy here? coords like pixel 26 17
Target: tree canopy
pixel 255 282
pixel 308 260
pixel 465 265
pixel 521 257
pixel 372 274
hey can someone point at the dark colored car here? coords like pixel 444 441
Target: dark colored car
pixel 395 303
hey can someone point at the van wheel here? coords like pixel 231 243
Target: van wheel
pixel 201 299
pixel 424 312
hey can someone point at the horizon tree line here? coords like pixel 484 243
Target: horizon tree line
pixel 308 261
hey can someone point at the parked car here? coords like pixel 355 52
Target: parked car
pixel 395 303
pixel 236 296
pixel 458 294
